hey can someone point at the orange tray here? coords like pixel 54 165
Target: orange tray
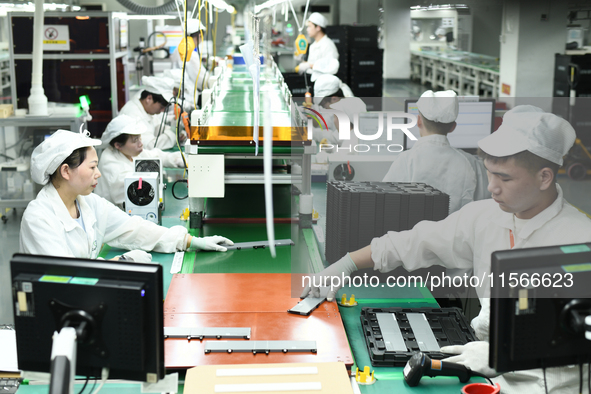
pixel 258 301
pixel 227 293
pixel 324 326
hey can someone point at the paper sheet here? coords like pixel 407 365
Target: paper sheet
pixel 8 361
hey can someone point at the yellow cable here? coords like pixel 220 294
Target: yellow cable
pixel 215 33
pixel 199 52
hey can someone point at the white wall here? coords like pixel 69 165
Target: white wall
pixel 527 53
pixel 348 12
pixel 397 39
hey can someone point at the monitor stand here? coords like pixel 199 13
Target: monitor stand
pixel 63 361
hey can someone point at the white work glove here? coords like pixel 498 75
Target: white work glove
pixel 473 355
pixel 302 67
pixel 335 273
pixel 138 256
pixel 210 243
pixel 178 161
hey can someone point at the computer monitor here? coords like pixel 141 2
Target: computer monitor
pixel 539 300
pixel 369 124
pixel 115 307
pixel 475 121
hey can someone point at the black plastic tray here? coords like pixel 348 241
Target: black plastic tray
pixel 449 325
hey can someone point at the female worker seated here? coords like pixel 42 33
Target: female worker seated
pixel 123 142
pixel 67 219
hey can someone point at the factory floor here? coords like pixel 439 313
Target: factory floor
pixel 575 192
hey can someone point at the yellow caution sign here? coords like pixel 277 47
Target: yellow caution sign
pixel 189 46
pixel 301 45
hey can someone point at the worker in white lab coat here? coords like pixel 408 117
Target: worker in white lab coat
pixel 322 47
pixel 148 107
pixel 123 141
pixel 193 68
pixel 67 219
pixel 527 210
pixel 330 93
pixel 433 161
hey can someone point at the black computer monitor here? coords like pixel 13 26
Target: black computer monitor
pixel 539 300
pixel 118 305
pixel 476 119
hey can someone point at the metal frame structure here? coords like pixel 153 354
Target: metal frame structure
pixel 456 70
pixel 112 56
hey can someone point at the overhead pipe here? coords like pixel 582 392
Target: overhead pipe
pixel 37 100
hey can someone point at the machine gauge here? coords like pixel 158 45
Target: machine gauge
pixel 143 196
pixel 344 172
pixel 147 166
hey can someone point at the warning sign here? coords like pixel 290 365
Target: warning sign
pixel 56 38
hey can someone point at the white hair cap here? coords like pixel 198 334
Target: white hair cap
pixel 159 85
pixel 529 128
pixel 122 124
pixel 442 107
pixel 194 25
pixel 52 152
pixel 318 19
pixel 325 86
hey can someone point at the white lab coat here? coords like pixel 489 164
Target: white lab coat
pixel 466 239
pixel 321 49
pixel 115 166
pixel 135 109
pixel 191 72
pixel 47 228
pixel 433 161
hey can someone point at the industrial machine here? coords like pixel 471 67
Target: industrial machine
pixel 152 165
pixel 142 196
pixel 223 150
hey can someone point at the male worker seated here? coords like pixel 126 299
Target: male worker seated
pixel 322 47
pixel 147 107
pixel 433 161
pixel 527 209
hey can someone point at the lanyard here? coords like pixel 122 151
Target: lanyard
pixel 511 239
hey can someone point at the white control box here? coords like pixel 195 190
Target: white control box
pixel 206 176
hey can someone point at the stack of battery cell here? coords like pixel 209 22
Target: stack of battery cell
pixel 357 212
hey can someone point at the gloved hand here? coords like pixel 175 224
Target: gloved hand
pixel 210 243
pixel 178 161
pixel 335 273
pixel 473 355
pixel 302 67
pixel 138 256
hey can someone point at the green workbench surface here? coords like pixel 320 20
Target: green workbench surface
pixel 114 388
pixel 390 379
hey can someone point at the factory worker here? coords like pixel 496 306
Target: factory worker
pixel 193 67
pixel 123 141
pixel 322 47
pixel 527 209
pixel 67 219
pixel 176 74
pixel 329 90
pixel 433 161
pixel 148 107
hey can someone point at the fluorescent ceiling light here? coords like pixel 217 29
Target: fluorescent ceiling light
pixel 149 17
pixel 268 4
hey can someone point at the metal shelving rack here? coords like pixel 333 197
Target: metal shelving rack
pixel 112 56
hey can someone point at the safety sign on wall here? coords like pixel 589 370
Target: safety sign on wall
pixel 56 38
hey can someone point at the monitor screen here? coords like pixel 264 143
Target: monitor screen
pixel 369 124
pixel 119 303
pixel 475 121
pixel 539 300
